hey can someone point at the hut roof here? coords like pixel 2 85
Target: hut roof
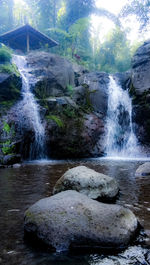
pixel 26 37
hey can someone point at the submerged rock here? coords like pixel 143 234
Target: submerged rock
pixel 143 170
pixel 70 219
pixel 88 182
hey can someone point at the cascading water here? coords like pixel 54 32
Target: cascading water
pixel 121 140
pixel 29 110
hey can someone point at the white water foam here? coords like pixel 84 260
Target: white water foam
pixel 121 142
pixel 29 113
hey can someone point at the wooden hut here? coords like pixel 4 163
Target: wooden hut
pixel 26 38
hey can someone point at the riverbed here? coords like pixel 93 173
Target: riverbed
pixel 21 187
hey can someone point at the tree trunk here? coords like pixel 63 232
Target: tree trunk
pixel 10 14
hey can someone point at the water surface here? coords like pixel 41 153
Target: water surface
pixel 21 187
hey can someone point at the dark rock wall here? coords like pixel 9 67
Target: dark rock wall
pixel 140 90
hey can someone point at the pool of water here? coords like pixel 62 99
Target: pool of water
pixel 23 186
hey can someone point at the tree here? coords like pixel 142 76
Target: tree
pixel 76 9
pixel 114 54
pixel 75 41
pixel 6 15
pixel 140 8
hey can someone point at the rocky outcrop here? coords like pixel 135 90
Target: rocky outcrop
pixel 96 90
pixel 70 219
pixel 53 75
pixel 88 182
pixel 73 134
pixel 74 127
pixel 140 89
pixel 141 69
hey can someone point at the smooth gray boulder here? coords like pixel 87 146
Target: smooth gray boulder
pixel 70 219
pixel 88 182
pixel 143 170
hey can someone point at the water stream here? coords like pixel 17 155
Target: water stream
pixel 29 110
pixel 121 140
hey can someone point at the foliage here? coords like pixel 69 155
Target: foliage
pixel 6 127
pixel 69 112
pixel 6 15
pixel 57 119
pixel 9 68
pixel 114 54
pixel 140 8
pixel 70 89
pixel 7 148
pixel 5 55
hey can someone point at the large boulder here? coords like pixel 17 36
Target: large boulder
pixel 52 74
pixel 88 182
pixel 70 219
pixel 143 170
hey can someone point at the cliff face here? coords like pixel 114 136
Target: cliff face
pixel 72 105
pixel 140 89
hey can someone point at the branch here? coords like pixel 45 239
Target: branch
pixel 105 13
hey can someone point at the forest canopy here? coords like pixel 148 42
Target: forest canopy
pixel 70 23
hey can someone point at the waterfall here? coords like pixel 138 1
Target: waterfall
pixel 29 110
pixel 121 140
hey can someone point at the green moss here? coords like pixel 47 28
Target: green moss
pixel 7 148
pixel 69 112
pixel 9 68
pixel 5 105
pixel 88 105
pixel 57 119
pixel 5 55
pixel 6 127
pixel 70 89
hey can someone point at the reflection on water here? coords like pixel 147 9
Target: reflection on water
pixel 21 187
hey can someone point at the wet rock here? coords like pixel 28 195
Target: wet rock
pixel 124 79
pixel 143 170
pixel 135 255
pixel 16 165
pixel 70 219
pixel 97 86
pixel 88 182
pixel 81 135
pixel 11 159
pixel 10 88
